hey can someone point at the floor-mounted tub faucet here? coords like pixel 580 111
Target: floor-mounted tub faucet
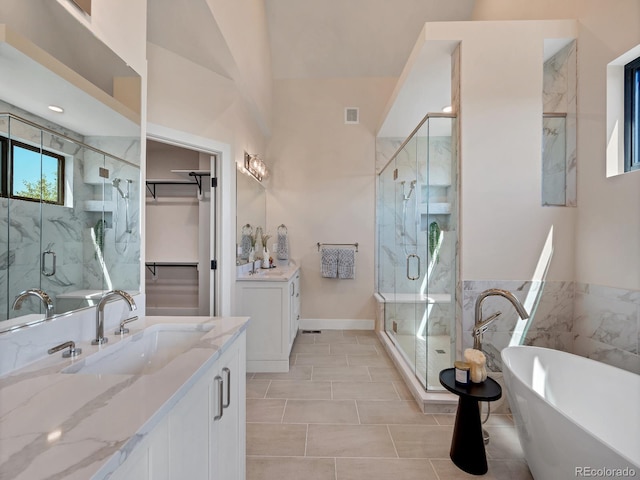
pixel 34 292
pixel 100 338
pixel 480 325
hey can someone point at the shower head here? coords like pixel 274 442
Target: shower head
pixel 116 185
pixel 412 186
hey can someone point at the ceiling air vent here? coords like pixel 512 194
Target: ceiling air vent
pixel 351 115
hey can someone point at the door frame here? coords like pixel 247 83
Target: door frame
pixel 222 211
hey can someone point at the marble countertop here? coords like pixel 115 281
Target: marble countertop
pixel 79 426
pixel 276 274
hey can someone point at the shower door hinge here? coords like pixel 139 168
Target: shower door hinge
pixel 395 174
pixel 214 264
pixel 214 182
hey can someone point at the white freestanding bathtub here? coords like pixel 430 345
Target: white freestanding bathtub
pixel 575 417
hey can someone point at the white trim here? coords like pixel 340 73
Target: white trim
pixel 615 112
pixel 336 324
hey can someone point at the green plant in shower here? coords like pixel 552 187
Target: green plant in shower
pixel 98 233
pixel 434 240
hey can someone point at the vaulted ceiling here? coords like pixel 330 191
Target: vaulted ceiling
pixel 351 38
pixel 309 38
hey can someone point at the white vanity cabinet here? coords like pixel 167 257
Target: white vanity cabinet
pixel 203 436
pixel 274 308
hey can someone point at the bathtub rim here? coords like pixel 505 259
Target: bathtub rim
pixel 505 364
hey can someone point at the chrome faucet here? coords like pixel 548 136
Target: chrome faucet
pixel 480 325
pixel 100 338
pixel 34 292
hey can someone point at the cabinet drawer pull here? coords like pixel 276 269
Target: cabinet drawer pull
pixel 227 373
pixel 218 381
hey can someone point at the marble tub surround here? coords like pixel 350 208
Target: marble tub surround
pixel 594 321
pixel 607 325
pixel 549 304
pixel 79 426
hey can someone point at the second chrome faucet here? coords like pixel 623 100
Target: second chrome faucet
pixel 100 338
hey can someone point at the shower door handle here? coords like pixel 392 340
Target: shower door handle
pixel 409 257
pixel 53 266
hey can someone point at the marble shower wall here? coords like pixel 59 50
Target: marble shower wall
pixel 31 228
pixel 560 133
pixel 403 229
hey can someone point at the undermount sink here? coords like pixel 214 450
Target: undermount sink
pixel 145 352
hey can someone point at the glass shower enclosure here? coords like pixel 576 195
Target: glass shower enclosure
pixel 416 215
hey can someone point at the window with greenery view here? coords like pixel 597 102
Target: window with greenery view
pixel 632 115
pixel 36 175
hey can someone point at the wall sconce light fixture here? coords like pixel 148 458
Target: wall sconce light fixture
pixel 255 166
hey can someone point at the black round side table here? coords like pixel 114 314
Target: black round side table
pixel 467 445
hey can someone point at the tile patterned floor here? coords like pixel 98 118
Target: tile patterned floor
pixel 342 412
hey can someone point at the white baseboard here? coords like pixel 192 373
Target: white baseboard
pixel 336 324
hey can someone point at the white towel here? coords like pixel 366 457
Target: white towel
pixel 346 263
pixel 329 263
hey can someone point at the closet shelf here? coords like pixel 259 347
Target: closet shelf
pixel 192 177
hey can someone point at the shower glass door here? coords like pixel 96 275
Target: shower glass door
pixel 417 248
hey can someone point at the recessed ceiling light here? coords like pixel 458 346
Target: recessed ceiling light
pixel 55 108
pixel 447 109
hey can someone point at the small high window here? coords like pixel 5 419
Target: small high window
pixel 632 115
pixel 36 174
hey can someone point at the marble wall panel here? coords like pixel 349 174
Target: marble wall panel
pixel 607 325
pixel 550 305
pixel 560 151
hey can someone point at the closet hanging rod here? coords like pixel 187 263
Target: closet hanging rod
pixel 338 245
pixel 151 266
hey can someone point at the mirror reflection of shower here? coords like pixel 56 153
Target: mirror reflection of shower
pixel 405 200
pixel 122 203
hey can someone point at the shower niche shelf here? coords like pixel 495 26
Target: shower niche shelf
pixel 98 206
pixel 435 209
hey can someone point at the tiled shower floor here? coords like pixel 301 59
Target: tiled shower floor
pixel 343 413
pixel 430 356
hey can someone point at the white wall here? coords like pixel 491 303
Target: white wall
pixel 244 26
pixel 323 185
pixel 608 218
pixel 120 24
pixel 503 227
pixel 608 229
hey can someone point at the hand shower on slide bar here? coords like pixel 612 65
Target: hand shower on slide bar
pixel 125 196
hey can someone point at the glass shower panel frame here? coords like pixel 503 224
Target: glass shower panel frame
pixel 5 256
pixel 418 188
pixel 386 255
pixel 24 262
pixel 438 223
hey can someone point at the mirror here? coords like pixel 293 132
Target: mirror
pixel 70 197
pixel 251 208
